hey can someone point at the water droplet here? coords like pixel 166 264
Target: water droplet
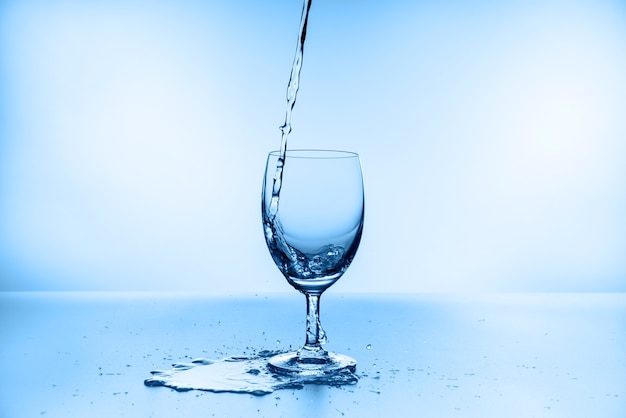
pixel 369 346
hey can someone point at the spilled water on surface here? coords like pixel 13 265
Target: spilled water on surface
pixel 245 374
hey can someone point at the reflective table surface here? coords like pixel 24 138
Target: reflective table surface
pixel 474 355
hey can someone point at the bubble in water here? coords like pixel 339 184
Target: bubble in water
pixel 327 259
pixel 369 346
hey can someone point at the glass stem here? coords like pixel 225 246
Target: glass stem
pixel 315 335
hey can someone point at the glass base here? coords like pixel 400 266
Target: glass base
pixel 327 365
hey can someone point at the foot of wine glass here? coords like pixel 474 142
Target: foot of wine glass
pixel 312 360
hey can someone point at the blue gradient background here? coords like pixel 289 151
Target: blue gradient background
pixel 133 137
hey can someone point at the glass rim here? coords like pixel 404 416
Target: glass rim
pixel 316 154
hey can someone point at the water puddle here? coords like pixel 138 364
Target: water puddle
pixel 245 374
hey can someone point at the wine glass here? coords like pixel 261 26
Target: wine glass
pixel 312 218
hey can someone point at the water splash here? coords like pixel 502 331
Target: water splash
pixel 244 374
